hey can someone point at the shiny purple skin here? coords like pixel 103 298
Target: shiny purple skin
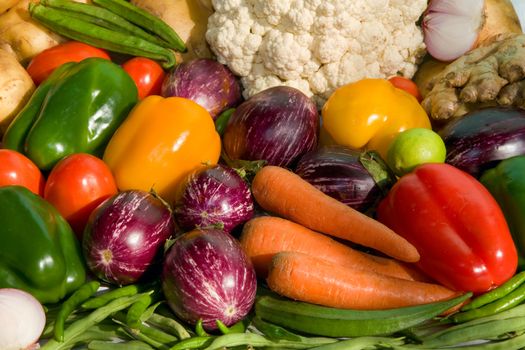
pixel 205 81
pixel 480 139
pixel 208 276
pixel 336 171
pixel 216 195
pixel 125 236
pixel 278 125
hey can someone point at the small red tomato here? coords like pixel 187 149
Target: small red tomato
pixel 147 75
pixel 76 185
pixel 17 169
pixel 43 64
pixel 407 85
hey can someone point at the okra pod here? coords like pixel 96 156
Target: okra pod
pixel 331 322
pixel 60 22
pixel 102 17
pixel 145 20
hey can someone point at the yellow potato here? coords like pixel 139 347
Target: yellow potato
pixel 189 18
pixel 16 87
pixel 6 5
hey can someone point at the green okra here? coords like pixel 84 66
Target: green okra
pixel 145 20
pixel 331 322
pixel 62 23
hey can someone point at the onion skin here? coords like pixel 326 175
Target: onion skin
pixel 23 320
pixel 205 81
pixel 277 125
pixel 125 236
pixel 480 139
pixel 216 195
pixel 208 276
pixel 337 171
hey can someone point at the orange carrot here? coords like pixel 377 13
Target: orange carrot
pixel 286 194
pixel 265 236
pixel 307 278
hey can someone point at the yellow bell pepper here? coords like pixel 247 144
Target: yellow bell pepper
pixel 160 143
pixel 370 113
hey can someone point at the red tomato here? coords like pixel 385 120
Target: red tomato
pixel 17 169
pixel 147 74
pixel 76 185
pixel 46 61
pixel 407 85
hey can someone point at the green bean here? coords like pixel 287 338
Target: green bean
pixel 149 311
pixel 83 324
pixel 485 330
pixel 508 301
pixel 169 325
pixel 145 20
pixel 104 18
pixel 193 343
pixel 110 295
pixel 62 23
pixel 255 340
pixel 78 297
pixel 129 345
pixel 199 329
pixel 137 309
pixel 514 343
pixel 496 293
pixel 153 333
pixel 360 343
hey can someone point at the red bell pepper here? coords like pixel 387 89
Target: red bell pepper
pixel 456 225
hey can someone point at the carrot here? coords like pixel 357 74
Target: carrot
pixel 307 278
pixel 286 194
pixel 265 236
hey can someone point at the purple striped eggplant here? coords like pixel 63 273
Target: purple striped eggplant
pixel 215 196
pixel 277 125
pixel 338 172
pixel 480 139
pixel 125 236
pixel 207 275
pixel 205 81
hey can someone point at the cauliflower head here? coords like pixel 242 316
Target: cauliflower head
pixel 315 45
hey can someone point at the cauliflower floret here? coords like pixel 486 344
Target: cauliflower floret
pixel 315 45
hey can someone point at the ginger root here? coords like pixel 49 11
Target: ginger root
pixel 490 75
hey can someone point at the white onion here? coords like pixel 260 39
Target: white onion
pixel 451 27
pixel 22 319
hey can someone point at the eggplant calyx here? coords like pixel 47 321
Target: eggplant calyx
pixel 377 168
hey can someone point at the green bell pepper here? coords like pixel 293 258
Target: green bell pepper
pixel 76 110
pixel 506 183
pixel 39 252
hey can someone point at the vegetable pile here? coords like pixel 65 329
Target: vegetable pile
pixel 261 174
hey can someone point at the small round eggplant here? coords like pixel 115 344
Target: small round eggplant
pixel 205 81
pixel 214 196
pixel 480 139
pixel 277 125
pixel 338 172
pixel 125 236
pixel 208 276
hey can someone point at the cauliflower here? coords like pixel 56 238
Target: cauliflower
pixel 315 45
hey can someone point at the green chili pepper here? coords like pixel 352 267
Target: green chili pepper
pixel 222 120
pixel 508 301
pixel 496 293
pixel 78 297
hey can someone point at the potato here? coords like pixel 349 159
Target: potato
pixel 189 18
pixel 16 86
pixel 6 5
